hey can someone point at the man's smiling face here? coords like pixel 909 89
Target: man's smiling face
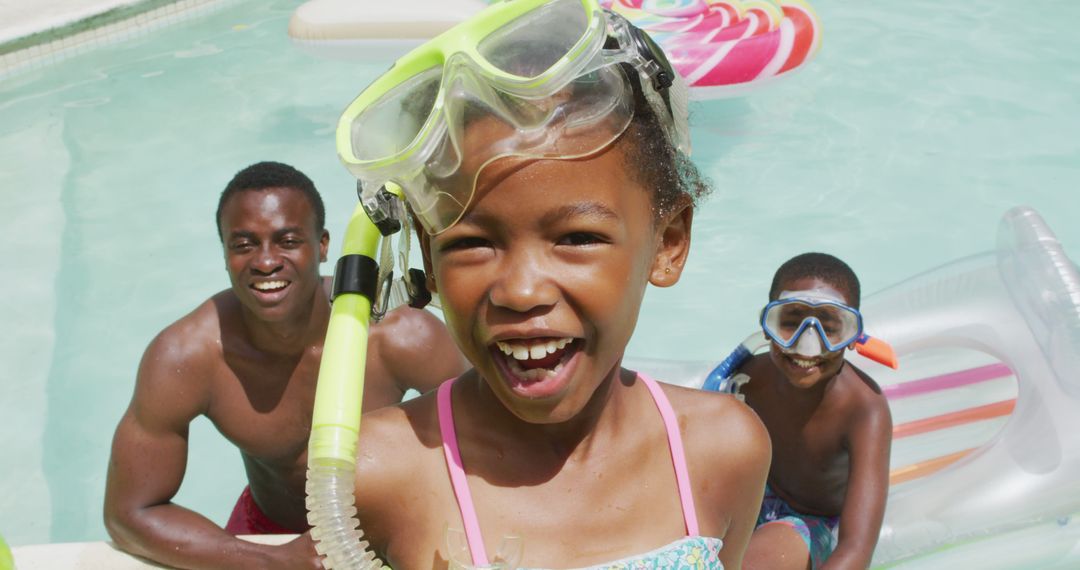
pixel 272 251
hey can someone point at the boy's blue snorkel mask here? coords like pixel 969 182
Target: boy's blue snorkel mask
pixel 806 323
pixel 811 323
pixel 537 78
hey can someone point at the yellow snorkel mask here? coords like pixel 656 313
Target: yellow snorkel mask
pixel 541 75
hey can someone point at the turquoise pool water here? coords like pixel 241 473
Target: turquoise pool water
pixel 898 149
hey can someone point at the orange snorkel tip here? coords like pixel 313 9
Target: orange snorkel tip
pixel 877 350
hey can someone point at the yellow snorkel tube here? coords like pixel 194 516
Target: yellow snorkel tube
pixel 339 394
pixel 7 562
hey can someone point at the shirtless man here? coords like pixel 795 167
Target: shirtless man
pixel 248 359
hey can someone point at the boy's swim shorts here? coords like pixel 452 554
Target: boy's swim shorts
pixel 819 533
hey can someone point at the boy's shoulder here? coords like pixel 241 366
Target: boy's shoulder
pixel 858 384
pixel 855 401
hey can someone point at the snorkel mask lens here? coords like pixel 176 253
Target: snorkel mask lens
pixel 528 78
pixel 811 323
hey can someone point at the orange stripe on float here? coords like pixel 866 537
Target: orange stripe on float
pixel 952 419
pixel 924 468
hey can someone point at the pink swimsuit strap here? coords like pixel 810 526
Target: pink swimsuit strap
pixel 457 476
pixel 464 497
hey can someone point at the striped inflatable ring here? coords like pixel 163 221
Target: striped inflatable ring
pixel 723 47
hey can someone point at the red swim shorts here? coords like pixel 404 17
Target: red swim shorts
pixel 248 518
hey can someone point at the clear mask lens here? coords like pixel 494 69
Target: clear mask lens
pixel 531 45
pixel 790 321
pixel 539 85
pixel 391 125
pixel 481 124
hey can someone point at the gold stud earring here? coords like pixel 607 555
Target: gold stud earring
pixel 667 270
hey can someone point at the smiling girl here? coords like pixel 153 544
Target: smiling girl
pixel 541 146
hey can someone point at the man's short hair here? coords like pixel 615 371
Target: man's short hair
pixel 821 266
pixel 265 175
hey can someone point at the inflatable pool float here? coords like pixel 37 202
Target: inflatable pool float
pixel 1020 306
pixel 373 30
pixel 721 47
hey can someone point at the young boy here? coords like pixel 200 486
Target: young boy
pixel 829 423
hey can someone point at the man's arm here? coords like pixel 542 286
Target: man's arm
pixel 149 457
pixel 870 441
pixel 414 349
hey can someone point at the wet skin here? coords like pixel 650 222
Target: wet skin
pixel 554 251
pixel 831 433
pixel 248 359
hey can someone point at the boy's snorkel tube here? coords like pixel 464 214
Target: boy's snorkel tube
pixel 335 424
pixel 717 380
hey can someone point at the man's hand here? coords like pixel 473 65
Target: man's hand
pixel 297 554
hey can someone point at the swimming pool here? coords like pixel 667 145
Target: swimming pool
pixel 898 149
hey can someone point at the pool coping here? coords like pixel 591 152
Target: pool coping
pixel 46 47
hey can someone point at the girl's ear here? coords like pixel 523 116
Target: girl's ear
pixel 672 248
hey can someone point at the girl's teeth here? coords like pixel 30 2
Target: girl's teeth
pixel 521 351
pixel 534 374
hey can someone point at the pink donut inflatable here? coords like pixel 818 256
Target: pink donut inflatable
pixel 721 47
pixel 724 47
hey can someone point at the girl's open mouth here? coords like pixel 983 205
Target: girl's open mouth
pixel 536 367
